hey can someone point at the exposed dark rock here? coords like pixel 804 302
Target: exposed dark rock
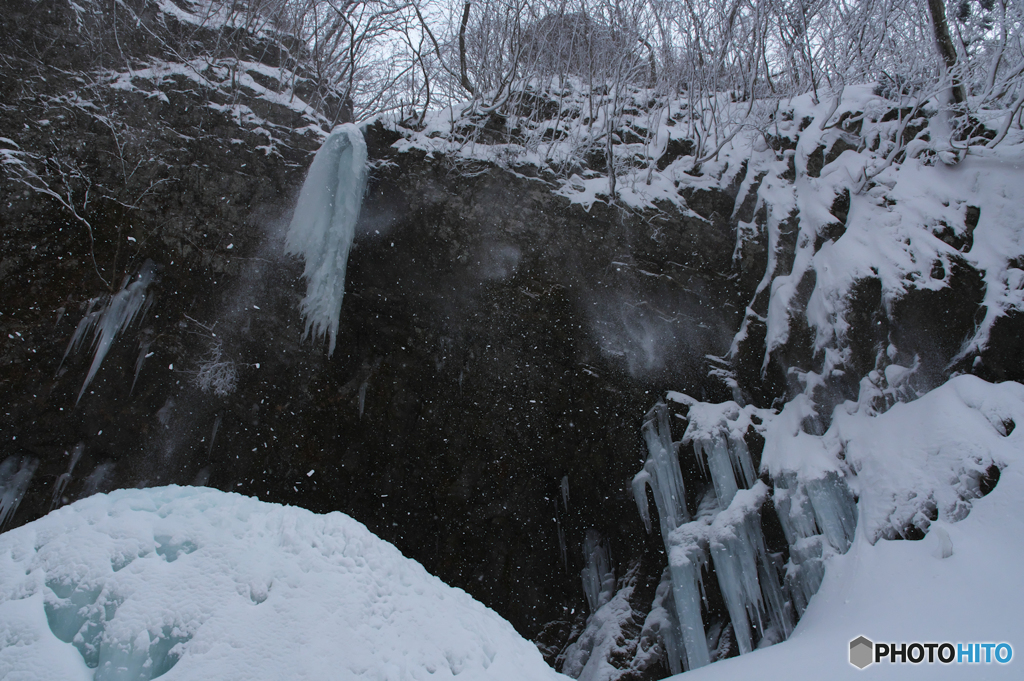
pixel 676 148
pixel 934 324
pixel 961 239
pixel 816 161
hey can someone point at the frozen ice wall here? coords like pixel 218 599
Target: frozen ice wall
pixel 323 227
pixel 725 538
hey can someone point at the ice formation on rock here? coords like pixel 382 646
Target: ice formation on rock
pixel 588 658
pixel 725 538
pixel 661 473
pixel 64 478
pixel 598 575
pixel 15 474
pixel 323 227
pixel 747 576
pixel 111 317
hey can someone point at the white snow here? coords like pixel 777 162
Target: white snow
pixel 192 583
pixel 323 227
pixel 904 591
pixel 587 658
pixel 920 465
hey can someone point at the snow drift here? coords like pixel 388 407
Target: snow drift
pixel 192 583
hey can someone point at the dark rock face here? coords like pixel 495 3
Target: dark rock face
pixel 495 339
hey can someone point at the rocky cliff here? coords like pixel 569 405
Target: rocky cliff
pixel 501 339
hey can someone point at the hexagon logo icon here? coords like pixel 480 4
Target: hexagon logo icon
pixel 862 652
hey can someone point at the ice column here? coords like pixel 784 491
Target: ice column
pixel 598 576
pixel 816 515
pixel 729 464
pixel 323 227
pixel 661 472
pixel 686 555
pixel 834 509
pixel 745 572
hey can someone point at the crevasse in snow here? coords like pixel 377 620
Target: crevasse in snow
pixel 323 227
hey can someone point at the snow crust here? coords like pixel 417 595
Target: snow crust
pixel 588 657
pixel 919 460
pixel 324 226
pixel 192 583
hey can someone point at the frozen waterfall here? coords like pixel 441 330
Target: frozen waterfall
pixel 762 596
pixel 323 227
pixel 598 575
pixel 686 554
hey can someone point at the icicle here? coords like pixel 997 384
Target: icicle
pixel 561 544
pixel 812 512
pixel 745 574
pixel 715 451
pixel 64 478
pixel 362 397
pixel 565 491
pixel 15 474
pixel 834 509
pixel 598 576
pixel 804 571
pixel 143 353
pixel 323 227
pixel 213 436
pixel 662 473
pixel 687 557
pixel 726 453
pixel 111 319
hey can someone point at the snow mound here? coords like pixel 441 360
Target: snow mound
pixel 193 583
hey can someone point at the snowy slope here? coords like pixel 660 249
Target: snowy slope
pixel 193 583
pixel 904 591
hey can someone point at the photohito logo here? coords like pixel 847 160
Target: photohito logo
pixel 864 652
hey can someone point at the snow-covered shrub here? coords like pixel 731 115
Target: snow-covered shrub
pixel 216 373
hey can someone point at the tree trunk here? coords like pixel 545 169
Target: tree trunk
pixel 462 51
pixel 944 43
